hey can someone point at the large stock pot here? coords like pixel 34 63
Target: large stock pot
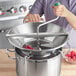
pixel 42 61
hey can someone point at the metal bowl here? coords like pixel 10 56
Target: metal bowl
pixel 53 34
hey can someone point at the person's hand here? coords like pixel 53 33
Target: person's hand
pixel 61 11
pixel 32 18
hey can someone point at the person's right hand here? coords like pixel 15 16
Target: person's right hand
pixel 32 18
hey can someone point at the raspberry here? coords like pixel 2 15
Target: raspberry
pixel 71 56
pixel 28 47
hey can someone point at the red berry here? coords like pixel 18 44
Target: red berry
pixel 71 56
pixel 74 58
pixel 68 55
pixel 75 53
pixel 28 47
pixel 72 53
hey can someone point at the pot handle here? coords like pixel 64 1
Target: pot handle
pixel 14 58
pixel 7 53
pixel 69 47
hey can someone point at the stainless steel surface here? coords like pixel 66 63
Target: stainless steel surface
pixel 35 35
pixel 6 6
pixel 44 25
pixel 4 42
pixel 5 25
pixel 30 29
pixel 12 13
pixel 47 67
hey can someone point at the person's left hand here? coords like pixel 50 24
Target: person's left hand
pixel 61 11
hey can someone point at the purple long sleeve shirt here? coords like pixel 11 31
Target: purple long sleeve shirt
pixel 45 7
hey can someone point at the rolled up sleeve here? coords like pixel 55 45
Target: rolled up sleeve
pixel 37 8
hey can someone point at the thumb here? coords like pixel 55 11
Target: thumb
pixel 42 19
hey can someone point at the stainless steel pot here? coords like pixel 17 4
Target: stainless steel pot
pixel 50 66
pixel 38 62
pixel 47 65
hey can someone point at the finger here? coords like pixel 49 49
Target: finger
pixel 34 18
pixel 42 19
pixel 59 14
pixel 25 20
pixel 31 18
pixel 58 8
pixel 37 18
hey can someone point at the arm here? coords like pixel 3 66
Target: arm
pixel 62 11
pixel 71 18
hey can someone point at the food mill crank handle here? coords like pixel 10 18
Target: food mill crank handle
pixel 46 23
pixel 56 4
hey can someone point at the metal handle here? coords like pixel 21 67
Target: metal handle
pixel 35 35
pixel 57 4
pixel 45 24
pixel 14 58
pixel 7 53
pixel 18 35
pixel 68 44
pixel 63 55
